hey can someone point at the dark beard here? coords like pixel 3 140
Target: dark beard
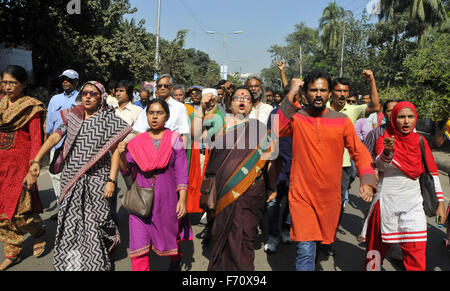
pixel 316 110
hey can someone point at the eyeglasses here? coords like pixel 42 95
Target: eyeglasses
pixel 159 86
pixel 12 84
pixel 91 93
pixel 352 101
pixel 242 98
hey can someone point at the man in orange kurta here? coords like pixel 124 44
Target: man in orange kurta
pixel 319 139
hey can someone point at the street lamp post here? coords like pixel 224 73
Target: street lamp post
pixel 158 20
pixel 225 34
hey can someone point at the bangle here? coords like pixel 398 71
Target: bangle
pixel 34 162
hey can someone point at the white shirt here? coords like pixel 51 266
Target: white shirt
pixel 130 113
pixel 261 112
pixel 178 120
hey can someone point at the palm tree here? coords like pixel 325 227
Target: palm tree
pixel 330 24
pixel 427 14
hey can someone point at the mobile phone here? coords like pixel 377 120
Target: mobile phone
pixel 438 221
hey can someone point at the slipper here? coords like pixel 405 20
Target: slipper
pixel 39 246
pixel 9 262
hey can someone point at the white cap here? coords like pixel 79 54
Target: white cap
pixel 71 74
pixel 210 90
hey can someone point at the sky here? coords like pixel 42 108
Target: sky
pixel 264 23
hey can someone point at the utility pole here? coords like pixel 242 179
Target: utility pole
pixel 342 50
pixel 301 62
pixel 224 67
pixel 157 37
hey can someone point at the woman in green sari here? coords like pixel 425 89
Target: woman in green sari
pixel 239 161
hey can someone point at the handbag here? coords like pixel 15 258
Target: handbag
pixel 427 189
pixel 139 201
pixel 57 163
pixel 208 199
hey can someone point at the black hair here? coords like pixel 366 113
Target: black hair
pixel 269 89
pixel 19 73
pixel 317 74
pixel 128 87
pixel 385 104
pixel 112 85
pixel 163 103
pixel 343 81
pixel 222 82
pixel 244 87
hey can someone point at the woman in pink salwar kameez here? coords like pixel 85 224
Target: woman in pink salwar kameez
pixel 159 153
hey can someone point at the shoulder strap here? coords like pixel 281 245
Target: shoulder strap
pixel 422 150
pixel 228 155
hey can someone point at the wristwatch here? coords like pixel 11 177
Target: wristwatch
pixel 110 180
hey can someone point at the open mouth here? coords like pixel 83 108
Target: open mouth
pixel 318 102
pixel 242 106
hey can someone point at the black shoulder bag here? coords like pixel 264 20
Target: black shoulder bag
pixel 426 180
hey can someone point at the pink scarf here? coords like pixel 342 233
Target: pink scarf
pixel 143 151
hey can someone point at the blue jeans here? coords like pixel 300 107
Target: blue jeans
pixel 306 256
pixel 273 211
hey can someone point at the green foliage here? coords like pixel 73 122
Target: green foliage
pixel 100 43
pixel 331 25
pixel 404 67
pixel 429 77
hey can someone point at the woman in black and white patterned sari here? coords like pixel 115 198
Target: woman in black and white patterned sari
pixel 86 232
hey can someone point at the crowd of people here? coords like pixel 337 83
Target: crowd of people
pixel 255 146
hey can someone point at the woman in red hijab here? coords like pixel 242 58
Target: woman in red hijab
pixel 396 214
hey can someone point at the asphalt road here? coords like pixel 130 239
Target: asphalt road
pixel 349 252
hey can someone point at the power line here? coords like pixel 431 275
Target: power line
pixel 198 21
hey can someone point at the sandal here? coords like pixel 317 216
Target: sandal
pixel 9 262
pixel 39 246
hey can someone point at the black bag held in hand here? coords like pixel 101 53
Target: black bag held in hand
pixel 139 201
pixel 426 180
pixel 57 163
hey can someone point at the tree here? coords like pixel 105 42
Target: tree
pixel 100 43
pixel 429 77
pixel 331 25
pixel 309 40
pixel 389 44
pixel 426 14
